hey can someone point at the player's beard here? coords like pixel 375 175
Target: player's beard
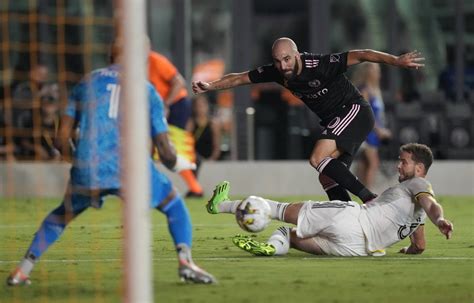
pixel 293 73
pixel 406 176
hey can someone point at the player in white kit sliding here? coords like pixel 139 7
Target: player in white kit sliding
pixel 342 228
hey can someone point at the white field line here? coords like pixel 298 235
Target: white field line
pixel 78 225
pixel 250 257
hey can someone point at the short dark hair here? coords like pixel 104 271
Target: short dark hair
pixel 420 153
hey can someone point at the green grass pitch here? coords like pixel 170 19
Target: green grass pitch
pixel 85 265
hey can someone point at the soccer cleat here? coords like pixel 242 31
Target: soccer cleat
pixel 221 193
pixel 18 278
pixel 254 247
pixel 190 272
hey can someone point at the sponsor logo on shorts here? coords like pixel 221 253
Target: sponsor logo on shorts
pixel 346 121
pixel 334 122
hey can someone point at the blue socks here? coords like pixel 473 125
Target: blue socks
pixel 48 232
pixel 179 221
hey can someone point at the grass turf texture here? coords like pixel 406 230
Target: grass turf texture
pixel 85 264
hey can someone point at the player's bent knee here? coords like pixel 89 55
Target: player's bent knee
pixel 316 160
pixel 61 215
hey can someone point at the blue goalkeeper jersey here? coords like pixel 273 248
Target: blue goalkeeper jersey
pixel 94 105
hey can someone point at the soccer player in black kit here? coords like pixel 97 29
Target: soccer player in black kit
pixel 319 81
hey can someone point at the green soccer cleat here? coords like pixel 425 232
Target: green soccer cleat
pixel 221 193
pixel 247 243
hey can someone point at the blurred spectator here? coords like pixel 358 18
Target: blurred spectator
pixel 408 91
pixel 447 77
pixel 6 150
pixel 171 86
pixel 27 98
pixel 206 132
pixel 367 79
pixel 221 102
pixel 49 127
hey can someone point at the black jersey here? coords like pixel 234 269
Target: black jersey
pixel 321 85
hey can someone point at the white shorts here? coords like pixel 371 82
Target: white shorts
pixel 335 227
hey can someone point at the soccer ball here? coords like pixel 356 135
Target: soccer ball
pixel 253 214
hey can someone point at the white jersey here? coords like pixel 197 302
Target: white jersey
pixel 395 214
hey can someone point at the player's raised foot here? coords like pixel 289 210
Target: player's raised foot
pixel 221 193
pixel 252 246
pixel 18 278
pixel 191 273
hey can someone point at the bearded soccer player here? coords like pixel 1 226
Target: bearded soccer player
pixel 319 81
pixel 346 228
pixel 93 107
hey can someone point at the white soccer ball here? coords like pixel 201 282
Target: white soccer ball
pixel 253 214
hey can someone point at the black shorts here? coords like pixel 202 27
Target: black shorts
pixel 350 126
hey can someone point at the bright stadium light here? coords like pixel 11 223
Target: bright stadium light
pixel 135 130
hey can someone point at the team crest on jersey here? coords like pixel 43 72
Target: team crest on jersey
pixel 260 69
pixel 334 58
pixel 315 83
pixel 311 63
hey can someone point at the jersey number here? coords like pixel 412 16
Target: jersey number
pixel 405 230
pixel 114 90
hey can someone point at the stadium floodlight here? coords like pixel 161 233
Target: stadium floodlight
pixel 135 130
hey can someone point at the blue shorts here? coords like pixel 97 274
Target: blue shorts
pixel 372 139
pixel 180 112
pixel 76 200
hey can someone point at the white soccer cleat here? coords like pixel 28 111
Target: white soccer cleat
pixel 190 272
pixel 18 278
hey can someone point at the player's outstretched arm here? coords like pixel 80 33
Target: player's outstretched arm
pixel 408 60
pixel 435 212
pixel 64 136
pixel 228 81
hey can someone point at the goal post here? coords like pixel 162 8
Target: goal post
pixel 135 153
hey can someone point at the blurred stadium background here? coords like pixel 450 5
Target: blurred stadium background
pixel 53 43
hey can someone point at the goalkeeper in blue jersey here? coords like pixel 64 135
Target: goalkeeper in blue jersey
pixel 93 110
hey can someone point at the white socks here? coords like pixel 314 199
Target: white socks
pixel 228 206
pixel 280 239
pixel 277 208
pixel 26 266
